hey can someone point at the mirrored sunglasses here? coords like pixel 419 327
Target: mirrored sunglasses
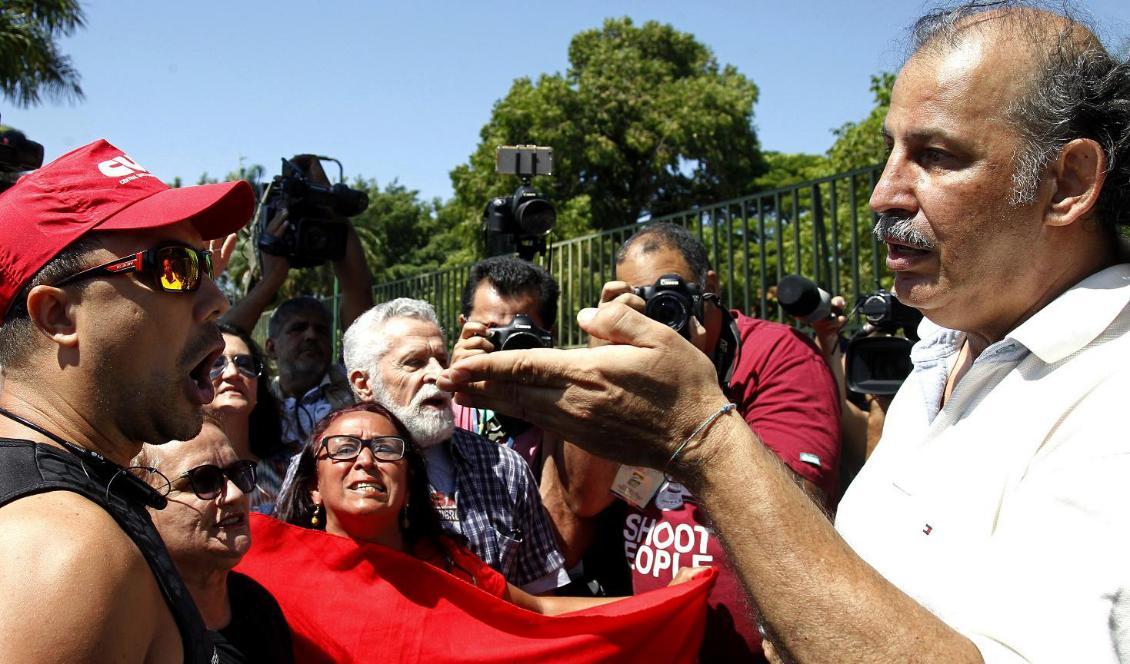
pixel 244 364
pixel 347 448
pixel 173 269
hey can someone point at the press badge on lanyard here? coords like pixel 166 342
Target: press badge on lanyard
pixel 637 484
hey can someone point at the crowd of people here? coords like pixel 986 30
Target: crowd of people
pixel 172 491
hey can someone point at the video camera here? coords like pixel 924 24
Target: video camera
pixel 519 334
pixel 316 229
pixel 18 154
pixel 672 301
pixel 879 364
pixel 873 364
pixel 521 221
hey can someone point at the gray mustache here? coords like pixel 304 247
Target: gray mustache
pixel 902 231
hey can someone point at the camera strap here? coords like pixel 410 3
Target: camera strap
pixel 131 487
pixel 728 348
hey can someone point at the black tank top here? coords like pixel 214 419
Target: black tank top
pixel 28 468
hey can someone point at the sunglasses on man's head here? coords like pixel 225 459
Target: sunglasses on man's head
pixel 208 481
pixel 348 448
pixel 244 364
pixel 173 269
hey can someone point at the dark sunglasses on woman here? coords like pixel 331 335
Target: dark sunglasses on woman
pixel 172 268
pixel 208 481
pixel 244 364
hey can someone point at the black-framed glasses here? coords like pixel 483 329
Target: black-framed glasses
pixel 173 268
pixel 348 448
pixel 244 364
pixel 208 481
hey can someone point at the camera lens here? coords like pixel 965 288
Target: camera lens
pixel 669 309
pixel 521 341
pixel 875 309
pixel 536 217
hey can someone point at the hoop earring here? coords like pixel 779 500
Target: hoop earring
pixel 314 521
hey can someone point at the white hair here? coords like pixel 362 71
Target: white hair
pixel 363 344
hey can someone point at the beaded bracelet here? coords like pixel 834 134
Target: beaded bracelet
pixel 702 427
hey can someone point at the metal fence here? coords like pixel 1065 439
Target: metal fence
pixel 820 229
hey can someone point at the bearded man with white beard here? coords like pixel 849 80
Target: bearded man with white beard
pixel 485 492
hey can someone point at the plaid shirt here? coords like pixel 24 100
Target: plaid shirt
pixel 500 510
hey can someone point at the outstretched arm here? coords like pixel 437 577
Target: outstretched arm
pixel 633 402
pixel 355 280
pixel 245 313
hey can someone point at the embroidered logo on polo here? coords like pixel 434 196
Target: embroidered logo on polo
pixel 124 168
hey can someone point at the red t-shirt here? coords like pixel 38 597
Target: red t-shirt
pixel 786 393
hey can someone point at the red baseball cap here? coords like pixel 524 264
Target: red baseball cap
pixel 99 187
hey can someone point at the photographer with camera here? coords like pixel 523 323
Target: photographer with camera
pixel 509 304
pixel 782 390
pixel 868 368
pixel 306 227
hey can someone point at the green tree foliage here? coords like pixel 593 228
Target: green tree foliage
pixel 30 62
pixel 785 169
pixel 644 122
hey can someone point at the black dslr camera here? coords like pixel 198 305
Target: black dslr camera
pixel 316 230
pixel 672 301
pixel 879 364
pixel 18 154
pixel 520 334
pixel 521 221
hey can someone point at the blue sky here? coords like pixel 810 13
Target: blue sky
pixel 400 91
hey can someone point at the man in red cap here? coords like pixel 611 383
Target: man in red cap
pixel 108 331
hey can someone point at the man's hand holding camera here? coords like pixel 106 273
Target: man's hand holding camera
pixel 632 399
pixel 624 293
pixel 472 341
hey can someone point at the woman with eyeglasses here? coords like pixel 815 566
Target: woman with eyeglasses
pixel 249 412
pixel 363 481
pixel 206 531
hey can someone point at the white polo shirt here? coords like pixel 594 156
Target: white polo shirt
pixel 1007 512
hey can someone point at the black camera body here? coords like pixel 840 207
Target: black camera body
pixel 18 154
pixel 879 364
pixel 883 310
pixel 519 334
pixel 524 213
pixel 672 301
pixel 316 229
pixel 521 221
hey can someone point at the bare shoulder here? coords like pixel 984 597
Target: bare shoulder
pixel 73 586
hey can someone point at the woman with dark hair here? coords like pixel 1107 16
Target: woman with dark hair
pixel 384 582
pixel 249 412
pixel 363 477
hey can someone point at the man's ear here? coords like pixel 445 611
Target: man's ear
pixel 270 348
pixel 1077 179
pixel 462 320
pixel 53 312
pixel 361 387
pixel 711 285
